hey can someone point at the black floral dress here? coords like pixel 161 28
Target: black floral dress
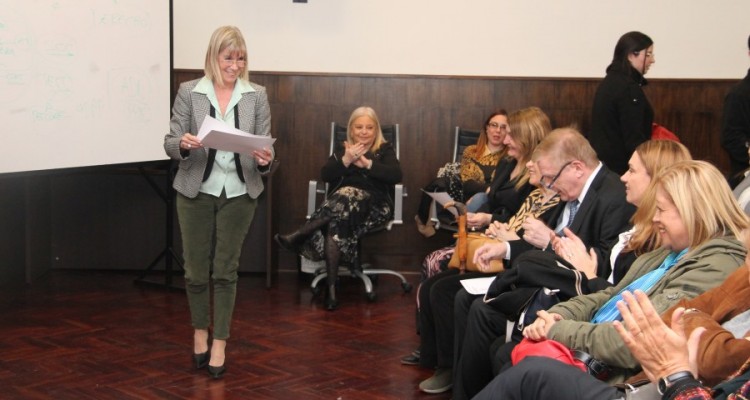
pixel 359 200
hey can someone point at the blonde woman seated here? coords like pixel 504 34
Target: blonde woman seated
pixel 698 222
pixel 484 349
pixel 361 177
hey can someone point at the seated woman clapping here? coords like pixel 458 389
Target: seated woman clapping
pixel 361 177
pixel 697 222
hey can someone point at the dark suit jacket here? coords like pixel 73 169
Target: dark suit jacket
pixel 601 217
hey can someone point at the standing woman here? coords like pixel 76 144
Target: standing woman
pixel 217 190
pixel 361 178
pixel 621 117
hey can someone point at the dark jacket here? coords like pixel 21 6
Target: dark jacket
pixel 603 214
pixel 621 117
pixel 735 124
pixel 384 174
pixel 504 199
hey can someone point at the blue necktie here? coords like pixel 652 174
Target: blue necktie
pixel 609 311
pixel 572 210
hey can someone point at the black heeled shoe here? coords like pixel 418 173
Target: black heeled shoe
pixel 216 372
pixel 331 303
pixel 288 242
pixel 201 360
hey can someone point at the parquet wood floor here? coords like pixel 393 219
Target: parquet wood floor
pixel 96 335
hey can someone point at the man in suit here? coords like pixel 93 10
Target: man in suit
pixel 595 210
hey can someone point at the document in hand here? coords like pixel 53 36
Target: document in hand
pixel 218 135
pixel 442 198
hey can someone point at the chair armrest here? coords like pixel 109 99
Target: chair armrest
pixel 312 196
pixel 398 204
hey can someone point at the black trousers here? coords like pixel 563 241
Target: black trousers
pixel 436 317
pixel 545 378
pixel 482 326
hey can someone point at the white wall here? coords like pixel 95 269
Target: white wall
pixel 530 38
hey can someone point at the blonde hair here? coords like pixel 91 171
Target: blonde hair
pixel 225 37
pixel 528 127
pixel 365 111
pixel 704 200
pixel 655 155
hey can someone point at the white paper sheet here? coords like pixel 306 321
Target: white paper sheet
pixel 442 198
pixel 218 135
pixel 477 285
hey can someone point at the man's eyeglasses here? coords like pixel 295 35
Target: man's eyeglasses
pixel 495 125
pixel 552 181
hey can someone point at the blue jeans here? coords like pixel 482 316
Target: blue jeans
pixel 476 202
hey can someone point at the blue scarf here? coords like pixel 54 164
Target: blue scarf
pixel 609 311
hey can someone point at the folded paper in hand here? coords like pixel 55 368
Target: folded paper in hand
pixel 218 135
pixel 442 198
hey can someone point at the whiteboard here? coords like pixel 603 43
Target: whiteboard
pixel 694 39
pixel 83 82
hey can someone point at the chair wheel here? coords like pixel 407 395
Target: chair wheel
pixel 406 286
pixel 371 297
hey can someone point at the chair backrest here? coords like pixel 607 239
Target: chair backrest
pixel 338 136
pixel 464 138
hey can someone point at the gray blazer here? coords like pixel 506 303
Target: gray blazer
pixel 188 112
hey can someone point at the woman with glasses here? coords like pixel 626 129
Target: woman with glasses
pixel 476 170
pixel 697 223
pixel 485 349
pixel 217 190
pixel 515 179
pixel 622 117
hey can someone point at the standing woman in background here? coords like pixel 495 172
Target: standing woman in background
pixel 622 117
pixel 217 190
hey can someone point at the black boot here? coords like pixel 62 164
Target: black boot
pixel 332 268
pixel 294 240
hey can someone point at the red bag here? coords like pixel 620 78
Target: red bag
pixel 545 348
pixel 659 132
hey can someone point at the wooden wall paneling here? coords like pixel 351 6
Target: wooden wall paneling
pixel 428 108
pixel 105 220
pixel 13 228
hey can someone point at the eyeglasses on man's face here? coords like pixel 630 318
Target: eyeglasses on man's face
pixel 544 178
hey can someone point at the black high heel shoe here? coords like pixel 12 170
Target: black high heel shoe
pixel 201 360
pixel 330 302
pixel 216 372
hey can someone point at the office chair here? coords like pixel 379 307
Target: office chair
pixel 463 138
pixel 316 190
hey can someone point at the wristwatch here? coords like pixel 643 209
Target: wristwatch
pixel 665 382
